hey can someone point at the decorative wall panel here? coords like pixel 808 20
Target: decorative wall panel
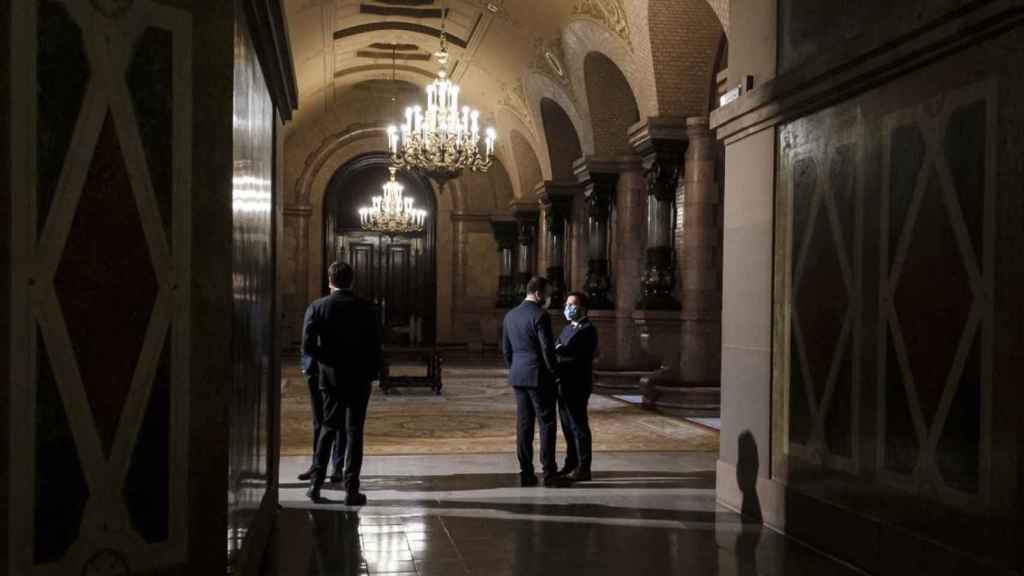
pixel 100 324
pixel 822 192
pixel 936 282
pixel 898 392
pixel 252 271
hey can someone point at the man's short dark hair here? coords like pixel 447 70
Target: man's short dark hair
pixel 583 299
pixel 536 284
pixel 341 275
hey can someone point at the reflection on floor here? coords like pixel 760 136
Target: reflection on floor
pixel 643 514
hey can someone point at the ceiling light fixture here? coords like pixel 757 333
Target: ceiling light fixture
pixel 442 140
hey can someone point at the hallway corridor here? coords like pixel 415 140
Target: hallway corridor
pixel 643 514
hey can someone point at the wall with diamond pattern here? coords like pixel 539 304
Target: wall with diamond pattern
pixel 895 309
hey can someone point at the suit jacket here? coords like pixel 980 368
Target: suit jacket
pixel 528 346
pixel 576 348
pixel 343 333
pixel 306 362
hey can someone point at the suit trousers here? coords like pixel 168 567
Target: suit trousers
pixel 536 405
pixel 345 406
pixel 316 402
pixel 572 412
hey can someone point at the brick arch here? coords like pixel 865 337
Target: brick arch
pixel 581 37
pixel 563 142
pixel 529 172
pixel 685 36
pixel 539 87
pixel 612 103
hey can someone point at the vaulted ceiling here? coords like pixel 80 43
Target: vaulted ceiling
pixel 339 43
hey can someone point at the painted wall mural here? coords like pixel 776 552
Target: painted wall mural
pixel 100 306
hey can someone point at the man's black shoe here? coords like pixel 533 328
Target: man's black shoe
pixel 528 481
pixel 579 475
pixel 567 470
pixel 555 481
pixel 308 474
pixel 355 499
pixel 314 494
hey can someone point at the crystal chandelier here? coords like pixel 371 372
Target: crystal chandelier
pixel 442 140
pixel 392 213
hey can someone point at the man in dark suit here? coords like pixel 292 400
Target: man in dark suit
pixel 311 372
pixel 575 349
pixel 342 334
pixel 529 351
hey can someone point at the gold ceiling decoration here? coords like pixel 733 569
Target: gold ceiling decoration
pixel 514 101
pixel 549 60
pixel 611 13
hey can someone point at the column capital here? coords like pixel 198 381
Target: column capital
pixel 552 191
pixel 505 233
pixel 661 142
pixel 589 167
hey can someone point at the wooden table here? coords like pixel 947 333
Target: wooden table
pixel 430 356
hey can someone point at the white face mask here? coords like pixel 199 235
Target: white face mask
pixel 547 302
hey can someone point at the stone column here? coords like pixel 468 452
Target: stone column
pixel 505 233
pixel 615 192
pixel 526 215
pixel 699 252
pixel 661 142
pixel 599 191
pixel 556 200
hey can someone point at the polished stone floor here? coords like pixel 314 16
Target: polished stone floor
pixel 643 514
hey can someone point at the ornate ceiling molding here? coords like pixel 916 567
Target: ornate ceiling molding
pixel 610 13
pixel 515 101
pixel 549 60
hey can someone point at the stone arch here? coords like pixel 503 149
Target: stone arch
pixel 538 87
pixel 563 142
pixel 582 37
pixel 612 103
pixel 529 172
pixel 687 34
pixel 311 186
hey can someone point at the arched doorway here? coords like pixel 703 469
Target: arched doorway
pixel 398 273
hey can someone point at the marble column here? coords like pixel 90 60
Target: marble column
pixel 599 191
pixel 505 233
pixel 661 142
pixel 526 216
pixel 616 194
pixel 556 200
pixel 699 252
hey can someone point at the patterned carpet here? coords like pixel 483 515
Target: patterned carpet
pixel 476 415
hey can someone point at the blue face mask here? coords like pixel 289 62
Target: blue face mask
pixel 572 312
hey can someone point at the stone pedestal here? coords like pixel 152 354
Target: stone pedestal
pixel 664 337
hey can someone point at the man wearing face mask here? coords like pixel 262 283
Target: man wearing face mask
pixel 575 349
pixel 529 351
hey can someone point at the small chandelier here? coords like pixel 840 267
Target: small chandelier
pixel 392 213
pixel 442 140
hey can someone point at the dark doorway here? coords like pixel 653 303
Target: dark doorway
pixel 398 273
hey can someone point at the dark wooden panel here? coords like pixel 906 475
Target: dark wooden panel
pixel 399 285
pixel 363 259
